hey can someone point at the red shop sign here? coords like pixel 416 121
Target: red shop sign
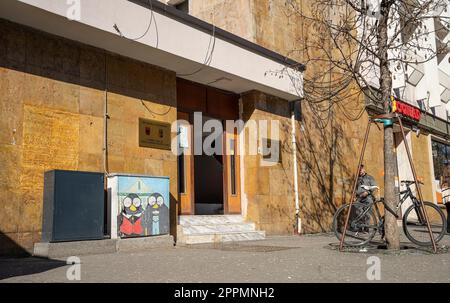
pixel 406 109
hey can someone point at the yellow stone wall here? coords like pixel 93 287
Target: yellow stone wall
pixel 269 189
pixel 232 15
pixel 327 158
pixel 328 149
pixel 328 155
pixel 421 156
pixel 52 93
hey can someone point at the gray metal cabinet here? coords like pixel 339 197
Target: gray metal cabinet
pixel 74 206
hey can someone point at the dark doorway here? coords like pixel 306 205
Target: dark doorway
pixel 208 179
pixel 209 183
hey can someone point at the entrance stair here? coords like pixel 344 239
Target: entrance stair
pixel 217 228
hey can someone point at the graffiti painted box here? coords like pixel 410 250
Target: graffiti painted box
pixel 139 205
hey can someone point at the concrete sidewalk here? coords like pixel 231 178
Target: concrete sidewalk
pixel 307 258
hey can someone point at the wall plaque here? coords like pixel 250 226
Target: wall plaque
pixel 183 136
pixel 154 134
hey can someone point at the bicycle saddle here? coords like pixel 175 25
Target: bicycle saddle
pixel 367 187
pixel 408 182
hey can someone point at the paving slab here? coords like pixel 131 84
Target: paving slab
pixel 308 258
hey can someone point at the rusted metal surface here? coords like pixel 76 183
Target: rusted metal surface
pixel 419 191
pixel 384 116
pixel 352 197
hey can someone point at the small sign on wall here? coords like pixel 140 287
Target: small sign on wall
pixel 271 150
pixel 154 134
pixel 183 136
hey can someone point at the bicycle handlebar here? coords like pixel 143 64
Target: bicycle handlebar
pixel 408 182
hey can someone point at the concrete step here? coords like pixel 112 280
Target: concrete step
pixel 106 246
pixel 76 248
pixel 210 220
pixel 218 228
pixel 214 229
pixel 223 237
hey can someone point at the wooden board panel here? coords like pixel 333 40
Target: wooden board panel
pixel 186 198
pixel 222 105
pixel 232 187
pixel 191 97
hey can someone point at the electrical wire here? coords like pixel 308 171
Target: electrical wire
pixel 105 121
pixel 152 19
pixel 153 112
pixel 209 51
pixel 208 56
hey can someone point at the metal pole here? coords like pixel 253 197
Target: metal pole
pixel 295 167
pixel 417 184
pixel 361 157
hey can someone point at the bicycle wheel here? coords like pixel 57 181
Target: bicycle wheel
pixel 362 224
pixel 415 226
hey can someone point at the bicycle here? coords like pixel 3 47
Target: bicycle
pixel 364 223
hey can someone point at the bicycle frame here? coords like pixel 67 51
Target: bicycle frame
pixel 407 193
pixel 404 194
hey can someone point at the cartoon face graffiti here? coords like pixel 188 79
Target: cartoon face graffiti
pixel 156 201
pixel 132 204
pixel 131 215
pixel 156 215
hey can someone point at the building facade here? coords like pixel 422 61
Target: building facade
pixel 76 81
pixel 327 165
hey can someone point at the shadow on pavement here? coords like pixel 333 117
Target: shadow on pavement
pixel 9 247
pixel 380 247
pixel 27 266
pixel 16 261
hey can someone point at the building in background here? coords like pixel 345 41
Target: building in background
pixel 421 97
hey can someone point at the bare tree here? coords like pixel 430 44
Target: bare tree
pixel 354 48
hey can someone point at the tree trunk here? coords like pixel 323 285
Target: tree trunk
pixel 390 224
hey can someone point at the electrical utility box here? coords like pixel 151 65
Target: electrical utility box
pixel 139 205
pixel 74 206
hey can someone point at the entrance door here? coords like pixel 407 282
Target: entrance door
pixel 232 174
pixel 209 171
pixel 186 167
pixel 209 184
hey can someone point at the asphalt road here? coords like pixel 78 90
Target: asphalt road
pixel 308 258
